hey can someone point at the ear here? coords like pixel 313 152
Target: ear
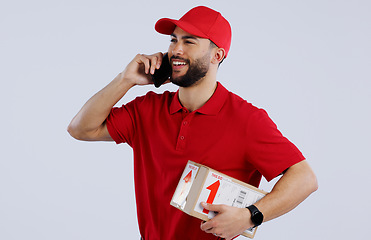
pixel 218 55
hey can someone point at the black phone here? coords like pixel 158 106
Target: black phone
pixel 162 74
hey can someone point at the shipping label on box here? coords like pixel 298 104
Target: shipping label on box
pixel 200 183
pixel 184 185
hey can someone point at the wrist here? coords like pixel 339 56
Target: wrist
pixel 124 80
pixel 247 219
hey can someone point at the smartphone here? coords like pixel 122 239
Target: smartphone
pixel 162 74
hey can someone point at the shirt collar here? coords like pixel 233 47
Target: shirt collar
pixel 211 107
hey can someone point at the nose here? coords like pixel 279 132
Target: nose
pixel 177 49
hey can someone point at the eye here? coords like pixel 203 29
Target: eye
pixel 189 42
pixel 173 40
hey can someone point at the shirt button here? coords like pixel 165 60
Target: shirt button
pixel 185 123
pixel 182 137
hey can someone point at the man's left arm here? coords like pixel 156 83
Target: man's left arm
pixel 296 184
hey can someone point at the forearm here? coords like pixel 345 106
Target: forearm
pixel 93 114
pixel 295 186
pixel 89 123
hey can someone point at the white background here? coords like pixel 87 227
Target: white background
pixel 306 62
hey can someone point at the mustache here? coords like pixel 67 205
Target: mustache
pixel 179 58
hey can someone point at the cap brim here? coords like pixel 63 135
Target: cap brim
pixel 167 26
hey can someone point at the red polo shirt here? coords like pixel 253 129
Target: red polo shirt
pixel 227 134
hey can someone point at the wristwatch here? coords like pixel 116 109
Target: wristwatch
pixel 256 215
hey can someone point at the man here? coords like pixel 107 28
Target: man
pixel 202 122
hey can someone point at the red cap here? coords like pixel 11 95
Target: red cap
pixel 203 22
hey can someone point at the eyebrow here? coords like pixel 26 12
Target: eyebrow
pixel 185 37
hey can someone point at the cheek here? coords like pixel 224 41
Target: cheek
pixel 171 48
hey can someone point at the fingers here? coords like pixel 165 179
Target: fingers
pixel 150 62
pixel 211 225
pixel 212 207
pixel 224 223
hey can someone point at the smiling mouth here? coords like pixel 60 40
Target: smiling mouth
pixel 178 63
pixel 178 66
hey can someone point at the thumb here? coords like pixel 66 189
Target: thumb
pixel 211 207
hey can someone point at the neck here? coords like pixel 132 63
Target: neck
pixel 196 96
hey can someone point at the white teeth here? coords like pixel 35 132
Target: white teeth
pixel 176 63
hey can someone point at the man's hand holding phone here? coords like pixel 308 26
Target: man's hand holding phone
pixel 141 70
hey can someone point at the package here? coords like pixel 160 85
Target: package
pixel 200 183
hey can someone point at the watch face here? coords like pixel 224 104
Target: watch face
pixel 257 218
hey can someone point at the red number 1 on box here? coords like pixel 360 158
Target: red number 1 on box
pixel 213 189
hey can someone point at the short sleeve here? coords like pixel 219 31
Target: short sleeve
pixel 268 150
pixel 120 123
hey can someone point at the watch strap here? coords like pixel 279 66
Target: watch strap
pixel 256 215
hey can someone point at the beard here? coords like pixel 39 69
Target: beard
pixel 196 71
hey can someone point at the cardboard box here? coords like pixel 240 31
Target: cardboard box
pixel 200 183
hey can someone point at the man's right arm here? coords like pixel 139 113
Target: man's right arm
pixel 90 122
